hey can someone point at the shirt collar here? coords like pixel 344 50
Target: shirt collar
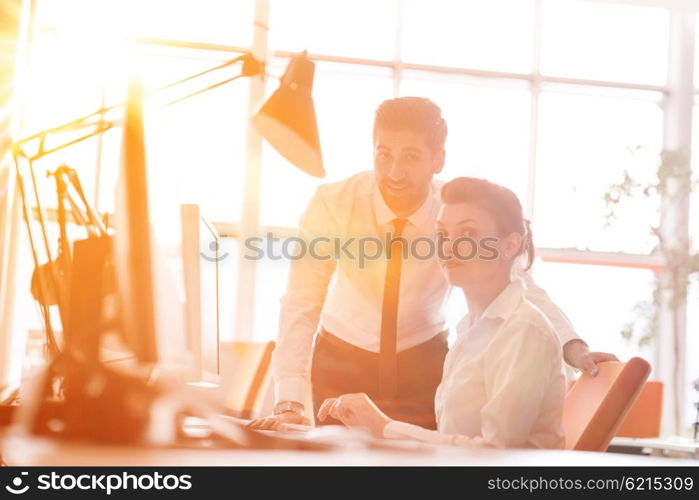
pixel 419 218
pixel 501 307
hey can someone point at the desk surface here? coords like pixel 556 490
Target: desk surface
pixel 22 450
pixel 672 443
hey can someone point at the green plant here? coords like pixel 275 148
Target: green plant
pixel 671 187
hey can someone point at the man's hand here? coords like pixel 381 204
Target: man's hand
pixel 276 422
pixel 355 410
pixel 577 355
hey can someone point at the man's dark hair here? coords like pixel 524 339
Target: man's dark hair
pixel 413 113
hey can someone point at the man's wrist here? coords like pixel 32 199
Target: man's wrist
pixel 579 347
pixel 289 406
pixel 290 388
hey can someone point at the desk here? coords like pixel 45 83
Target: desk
pixel 673 446
pixel 20 450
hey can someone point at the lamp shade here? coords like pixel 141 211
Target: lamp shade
pixel 288 119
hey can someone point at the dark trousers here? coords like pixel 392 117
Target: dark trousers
pixel 340 368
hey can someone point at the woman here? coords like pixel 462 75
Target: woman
pixel 503 384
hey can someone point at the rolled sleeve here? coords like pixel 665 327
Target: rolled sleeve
pixel 302 303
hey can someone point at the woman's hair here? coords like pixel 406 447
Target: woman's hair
pixel 418 114
pixel 499 201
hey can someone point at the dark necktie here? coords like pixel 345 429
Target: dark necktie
pixel 388 366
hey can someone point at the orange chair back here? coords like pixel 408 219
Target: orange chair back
pixel 251 377
pixel 644 417
pixel 596 406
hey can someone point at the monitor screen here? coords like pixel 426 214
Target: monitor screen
pixel 201 245
pixel 147 249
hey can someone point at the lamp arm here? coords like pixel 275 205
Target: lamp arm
pixel 250 67
pixel 207 71
pixel 206 89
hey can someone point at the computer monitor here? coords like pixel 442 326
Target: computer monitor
pixel 147 248
pixel 200 249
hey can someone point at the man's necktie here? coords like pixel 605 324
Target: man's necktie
pixel 388 365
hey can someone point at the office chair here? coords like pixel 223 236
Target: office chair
pixel 595 407
pixel 251 377
pixel 644 417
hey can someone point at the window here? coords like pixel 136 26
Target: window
pixel 198 145
pixel 363 29
pixel 585 142
pixel 227 286
pixel 600 301
pixel 488 127
pixel 496 35
pixel 196 140
pixel 212 21
pixel 270 286
pixel 59 85
pixel 55 93
pixel 604 41
pixel 201 140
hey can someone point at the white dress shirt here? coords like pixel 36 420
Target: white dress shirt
pixel 345 295
pixel 503 384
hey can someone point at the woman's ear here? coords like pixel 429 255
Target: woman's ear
pixel 512 244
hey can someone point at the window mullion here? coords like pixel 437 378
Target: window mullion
pixel 247 269
pixel 674 221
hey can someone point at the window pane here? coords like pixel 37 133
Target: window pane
pixel 603 41
pixel 215 21
pixel 227 287
pixel 488 128
pixel 200 141
pixel 481 34
pixel 599 301
pixel 359 28
pixel 63 82
pixel 345 99
pixel 205 148
pixel 270 286
pixel 584 145
pixel 27 314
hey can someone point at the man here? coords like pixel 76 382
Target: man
pixel 379 322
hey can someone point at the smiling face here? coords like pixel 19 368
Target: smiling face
pixel 404 166
pixel 493 258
